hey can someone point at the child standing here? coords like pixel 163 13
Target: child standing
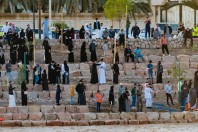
pixel 72 95
pixel 99 100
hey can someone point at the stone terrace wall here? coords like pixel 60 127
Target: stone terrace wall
pixel 57 116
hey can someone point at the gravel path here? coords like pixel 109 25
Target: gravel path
pixel 132 128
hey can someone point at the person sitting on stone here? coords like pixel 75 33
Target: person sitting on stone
pixel 188 34
pixel 138 54
pixel 128 53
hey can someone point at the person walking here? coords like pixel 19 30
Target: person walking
pixel 164 43
pixel 133 95
pixel 148 96
pixel 9 71
pixel 58 95
pixel 159 72
pixel 71 94
pixel 135 31
pixel 111 98
pixel 116 73
pixel 65 72
pixel 169 89
pixel 99 100
pixel 150 70
pixel 139 99
pixel 80 89
pixel 12 100
pixel 92 49
pixel 147 27
pixel 44 81
pixel 94 74
pixel 101 72
pixel 24 92
pixel 45 25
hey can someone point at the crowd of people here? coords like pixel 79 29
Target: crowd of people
pixel 22 53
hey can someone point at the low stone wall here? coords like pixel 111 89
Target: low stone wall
pixel 142 43
pixel 49 116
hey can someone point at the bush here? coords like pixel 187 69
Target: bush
pixel 61 25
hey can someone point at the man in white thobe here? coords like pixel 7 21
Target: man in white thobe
pixel 148 96
pixel 101 72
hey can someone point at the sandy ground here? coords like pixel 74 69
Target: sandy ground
pixel 131 128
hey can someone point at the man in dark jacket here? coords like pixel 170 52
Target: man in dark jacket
pixel 97 24
pixel 168 31
pixel 188 34
pixel 135 31
pixel 80 89
pixel 128 53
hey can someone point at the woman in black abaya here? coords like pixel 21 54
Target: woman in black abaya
pixel 83 53
pixel 94 74
pixel 116 73
pixel 24 90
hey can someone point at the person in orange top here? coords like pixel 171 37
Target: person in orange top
pixel 99 100
pixel 164 43
pixel 71 94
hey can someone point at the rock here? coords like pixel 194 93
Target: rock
pixel 3 110
pixel 12 110
pixel 160 94
pixel 184 58
pixel 85 73
pixel 5 95
pixel 184 65
pixel 127 116
pixel 158 86
pixel 32 95
pixel 95 122
pixel 84 66
pixel 129 66
pixel 35 116
pixel 104 87
pixel 18 94
pixel 152 116
pixel 6 116
pixel 38 123
pixel 130 73
pixel 50 116
pixel 54 123
pixel 59 109
pixel 177 115
pixel 20 116
pixel 34 109
pixel 168 65
pixel 133 122
pixel 11 123
pixel 71 109
pixel 123 122
pixel 82 109
pixel 111 122
pixel 23 109
pixel 154 58
pixel 70 123
pixel 26 123
pixel 53 95
pixel 64 116
pixel 114 116
pixel 83 123
pixel 141 116
pixel 109 75
pixel 89 116
pixel 169 59
pixel 194 58
pixel 102 116
pixel 44 95
pixel 189 115
pixel 47 108
pixel 165 116
pixel 156 122
pixel 77 116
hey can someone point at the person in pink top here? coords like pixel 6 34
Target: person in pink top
pixel 164 43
